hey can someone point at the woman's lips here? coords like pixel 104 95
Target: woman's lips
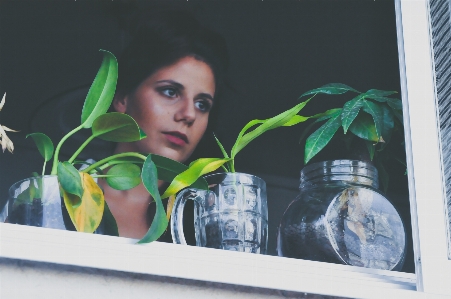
pixel 176 138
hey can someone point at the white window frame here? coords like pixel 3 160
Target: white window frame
pixel 433 269
pixel 427 209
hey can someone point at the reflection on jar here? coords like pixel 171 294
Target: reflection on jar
pixel 340 216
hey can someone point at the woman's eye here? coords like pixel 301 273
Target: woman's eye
pixel 203 106
pixel 169 92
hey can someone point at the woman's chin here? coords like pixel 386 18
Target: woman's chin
pixel 176 154
pixel 172 154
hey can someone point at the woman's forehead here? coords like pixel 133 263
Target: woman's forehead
pixel 187 72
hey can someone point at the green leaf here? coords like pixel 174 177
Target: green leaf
pixel 109 223
pixel 290 122
pixel 350 111
pixel 398 114
pixel 363 127
pixel 124 176
pixel 102 90
pixel 117 127
pixel 379 99
pixel 332 88
pixel 321 137
pixel 266 125
pixel 26 197
pixel 377 94
pixel 127 159
pixel 85 212
pixel 44 144
pixel 82 162
pixel 371 149
pixel 320 117
pixel 249 125
pixel 395 104
pixel 142 134
pixel 69 178
pixel 376 112
pixel 221 147
pixel 387 123
pixel 160 222
pixel 168 169
pixel 197 169
pixel 295 120
pixel 30 193
pixel 224 153
pixel 328 114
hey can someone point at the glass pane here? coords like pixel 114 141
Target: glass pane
pixel 278 50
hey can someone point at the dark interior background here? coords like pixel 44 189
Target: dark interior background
pixel 278 50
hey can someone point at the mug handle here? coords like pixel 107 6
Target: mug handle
pixel 177 215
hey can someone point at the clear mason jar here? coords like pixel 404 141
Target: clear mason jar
pixel 37 201
pixel 340 216
pixel 231 215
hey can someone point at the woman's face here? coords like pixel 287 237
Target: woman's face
pixel 171 106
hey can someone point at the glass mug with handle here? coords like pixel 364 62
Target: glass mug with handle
pixel 231 215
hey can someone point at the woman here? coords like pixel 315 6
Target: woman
pixel 169 79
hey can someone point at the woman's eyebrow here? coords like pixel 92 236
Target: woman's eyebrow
pixel 206 95
pixel 176 84
pixel 181 87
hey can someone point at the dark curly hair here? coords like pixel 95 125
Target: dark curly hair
pixel 161 39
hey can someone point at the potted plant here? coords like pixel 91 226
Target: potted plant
pixel 373 117
pixel 233 213
pixel 340 215
pixel 37 200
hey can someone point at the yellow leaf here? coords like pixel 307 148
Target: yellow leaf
pixel 86 213
pixel 195 170
pixel 171 201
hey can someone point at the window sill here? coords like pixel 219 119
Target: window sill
pixel 203 264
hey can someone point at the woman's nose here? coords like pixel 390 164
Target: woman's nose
pixel 186 112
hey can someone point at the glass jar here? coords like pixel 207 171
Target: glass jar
pixel 231 215
pixel 37 201
pixel 340 216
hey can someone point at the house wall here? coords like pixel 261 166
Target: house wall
pixel 27 279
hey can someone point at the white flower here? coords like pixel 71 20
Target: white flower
pixel 4 140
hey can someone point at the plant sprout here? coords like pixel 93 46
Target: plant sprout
pixel 82 196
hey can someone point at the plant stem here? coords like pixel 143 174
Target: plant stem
pixel 106 160
pixel 58 148
pixel 232 165
pixel 43 168
pixel 111 163
pixel 74 156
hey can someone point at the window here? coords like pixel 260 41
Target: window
pixel 426 190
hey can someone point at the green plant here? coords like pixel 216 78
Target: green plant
pixel 372 116
pixel 205 165
pixel 382 116
pixel 83 198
